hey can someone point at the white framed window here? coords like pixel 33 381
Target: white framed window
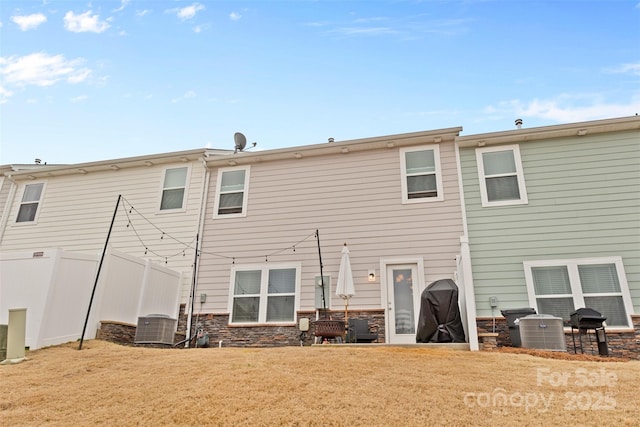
pixel 174 188
pixel 560 287
pixel 264 294
pixel 421 175
pixel 231 192
pixel 30 202
pixel 501 176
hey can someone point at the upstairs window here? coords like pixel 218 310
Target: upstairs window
pixel 30 201
pixel 421 177
pixel 560 287
pixel 232 188
pixel 501 176
pixel 174 188
pixel 264 295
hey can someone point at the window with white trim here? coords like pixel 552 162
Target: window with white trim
pixel 231 192
pixel 421 177
pixel 174 188
pixel 501 176
pixel 31 198
pixel 562 286
pixel 267 294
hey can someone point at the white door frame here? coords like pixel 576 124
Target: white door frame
pixel 385 288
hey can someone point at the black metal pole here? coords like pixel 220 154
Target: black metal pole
pixel 324 301
pixel 95 284
pixel 193 291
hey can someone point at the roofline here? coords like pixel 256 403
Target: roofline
pixel 339 147
pixel 550 132
pixel 44 171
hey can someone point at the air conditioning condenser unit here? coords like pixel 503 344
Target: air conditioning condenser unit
pixel 543 332
pixel 155 329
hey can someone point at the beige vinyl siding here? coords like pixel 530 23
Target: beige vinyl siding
pixel 354 198
pixel 584 201
pixel 5 189
pixel 76 212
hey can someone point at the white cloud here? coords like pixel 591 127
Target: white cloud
pixel 79 98
pixel 29 22
pixel 40 69
pixel 187 95
pixel 85 22
pixel 234 16
pixel 187 12
pixel 123 4
pixel 365 31
pixel 633 69
pixel 568 108
pixel 141 13
pixel 5 94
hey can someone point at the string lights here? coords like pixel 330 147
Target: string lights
pixel 187 246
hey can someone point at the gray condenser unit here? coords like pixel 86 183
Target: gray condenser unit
pixel 543 332
pixel 155 329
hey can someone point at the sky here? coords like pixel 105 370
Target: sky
pixel 84 81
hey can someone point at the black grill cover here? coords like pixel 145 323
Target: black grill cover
pixel 439 314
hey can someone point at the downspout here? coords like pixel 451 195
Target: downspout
pixel 203 208
pixel 465 259
pixel 7 206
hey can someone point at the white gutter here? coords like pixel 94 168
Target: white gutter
pixel 465 260
pixel 202 215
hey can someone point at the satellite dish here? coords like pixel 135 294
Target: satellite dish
pixel 240 141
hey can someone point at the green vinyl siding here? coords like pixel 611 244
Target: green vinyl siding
pixel 583 201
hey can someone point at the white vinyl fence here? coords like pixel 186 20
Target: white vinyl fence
pixel 55 287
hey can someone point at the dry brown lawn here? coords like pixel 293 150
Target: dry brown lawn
pixel 109 384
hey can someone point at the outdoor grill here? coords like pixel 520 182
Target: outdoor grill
pixel 584 319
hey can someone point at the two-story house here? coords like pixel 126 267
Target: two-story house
pixel 553 219
pixel 394 200
pixel 149 208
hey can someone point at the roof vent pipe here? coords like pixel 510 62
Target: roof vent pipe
pixel 519 123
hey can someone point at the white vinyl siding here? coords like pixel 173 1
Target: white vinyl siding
pixel 76 209
pixel 501 176
pixel 264 294
pixel 174 188
pixel 231 192
pixel 31 198
pixel 560 287
pixel 421 176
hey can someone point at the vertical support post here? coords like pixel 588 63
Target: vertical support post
pixel 192 295
pixel 95 284
pixel 324 301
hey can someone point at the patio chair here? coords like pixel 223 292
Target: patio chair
pixel 360 331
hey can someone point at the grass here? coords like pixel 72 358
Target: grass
pixel 109 384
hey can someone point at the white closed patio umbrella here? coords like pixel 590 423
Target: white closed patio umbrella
pixel 345 288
